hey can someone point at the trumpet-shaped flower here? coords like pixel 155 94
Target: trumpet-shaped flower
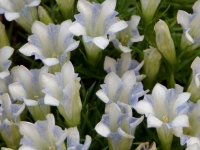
pixel 9 119
pixel 5 54
pixel 42 135
pixel 50 43
pixel 125 89
pixel 191 30
pixel 118 126
pixel 125 38
pixel 148 9
pixel 194 86
pixel 43 15
pixel 94 23
pixel 62 90
pixel 165 42
pixel 23 12
pixel 122 65
pixel 27 87
pixel 73 140
pixel 165 110
pixel 152 62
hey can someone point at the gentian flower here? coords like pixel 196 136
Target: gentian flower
pixel 73 140
pixel 122 65
pixel 22 11
pixel 191 30
pixel 50 43
pixel 165 42
pixel 5 54
pixel 125 38
pixel 118 126
pixel 66 8
pixel 27 88
pixel 125 89
pixel 42 135
pixel 148 9
pixel 94 23
pixel 165 110
pixel 43 16
pixel 9 121
pixel 194 86
pixel 62 90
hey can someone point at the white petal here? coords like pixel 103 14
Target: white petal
pixel 30 102
pixel 188 36
pixel 49 100
pixel 180 121
pixel 181 99
pixel 50 61
pixel 129 79
pixel 6 52
pixel 102 96
pixel 101 42
pixel 4 74
pixel 77 29
pixel 124 48
pixel 102 129
pixel 26 148
pixel 110 63
pixel 133 23
pixel 120 25
pixel 72 46
pixel 143 107
pixel 183 18
pixel 49 81
pixel 11 15
pixel 152 121
pixel 29 50
pixel 34 3
pixel 17 91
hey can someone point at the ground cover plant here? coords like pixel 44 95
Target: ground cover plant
pixel 99 74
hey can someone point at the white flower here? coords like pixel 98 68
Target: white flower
pixel 191 30
pixel 125 89
pixel 27 87
pixel 122 65
pixel 194 86
pixel 165 110
pixel 22 11
pixel 73 140
pixel 50 43
pixel 94 23
pixel 118 126
pixel 148 9
pixel 42 135
pixel 125 38
pixel 62 90
pixel 9 119
pixel 5 54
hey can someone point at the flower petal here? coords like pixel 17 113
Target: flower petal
pixel 152 121
pixel 77 29
pixel 101 42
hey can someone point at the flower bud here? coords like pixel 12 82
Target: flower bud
pixel 164 42
pixel 66 8
pixel 148 9
pixel 43 16
pixel 152 61
pixel 3 36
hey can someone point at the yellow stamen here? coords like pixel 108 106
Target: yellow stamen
pixel 165 119
pixel 54 55
pixel 52 148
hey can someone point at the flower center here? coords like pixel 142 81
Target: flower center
pixel 52 148
pixel 165 119
pixel 54 55
pixel 124 39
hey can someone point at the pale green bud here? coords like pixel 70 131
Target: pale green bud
pixel 148 9
pixel 3 36
pixel 152 61
pixel 66 8
pixel 145 146
pixel 43 16
pixel 164 42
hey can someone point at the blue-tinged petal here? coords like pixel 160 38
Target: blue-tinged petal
pixel 109 64
pixel 114 84
pixel 77 29
pixel 181 99
pixel 144 107
pixel 101 42
pixel 72 46
pixel 4 74
pixel 188 36
pixel 116 27
pixel 152 121
pixel 29 50
pixel 10 16
pixel 61 137
pixel 73 137
pixel 102 96
pixel 183 18
pixel 196 6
